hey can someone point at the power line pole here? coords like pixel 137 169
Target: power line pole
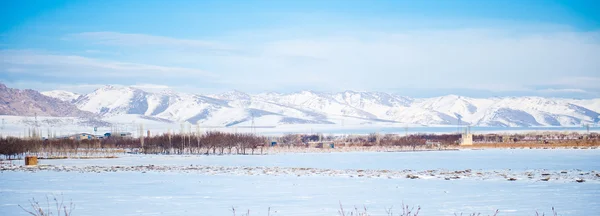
pixel 198 136
pixel 182 133
pixel 459 123
pixel 142 136
pixel 253 130
pixel 2 128
pixel 189 135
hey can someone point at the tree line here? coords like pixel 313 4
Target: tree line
pixel 207 143
pixel 219 143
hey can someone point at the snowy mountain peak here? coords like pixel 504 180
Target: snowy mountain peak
pixel 114 100
pixel 309 107
pixel 62 95
pixel 233 95
pixel 107 88
pixel 168 92
pixel 308 92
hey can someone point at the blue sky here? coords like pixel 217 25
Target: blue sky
pixel 415 48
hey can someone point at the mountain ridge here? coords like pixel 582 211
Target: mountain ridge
pixel 31 103
pixel 310 107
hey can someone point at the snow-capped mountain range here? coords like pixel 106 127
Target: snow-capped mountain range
pixel 236 108
pixel 62 95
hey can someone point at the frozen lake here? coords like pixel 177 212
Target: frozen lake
pixel 179 193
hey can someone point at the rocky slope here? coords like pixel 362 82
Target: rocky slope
pixel 30 102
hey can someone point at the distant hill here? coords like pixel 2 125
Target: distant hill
pixel 308 107
pixel 30 102
pixel 62 95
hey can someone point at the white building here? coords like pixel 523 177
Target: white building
pixel 466 138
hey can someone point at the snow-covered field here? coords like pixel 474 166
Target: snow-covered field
pixel 211 185
pixel 491 159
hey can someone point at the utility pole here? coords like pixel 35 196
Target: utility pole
pixel 36 121
pixel 198 136
pixel 35 132
pixel 253 130
pixel 189 135
pixel 2 129
pixel 142 136
pixel 181 133
pixel 459 123
pixel 320 137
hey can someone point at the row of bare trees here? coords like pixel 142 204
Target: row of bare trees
pixel 371 139
pixel 375 139
pixel 535 138
pixel 208 143
pixel 231 143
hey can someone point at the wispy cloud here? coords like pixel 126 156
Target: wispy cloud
pixel 126 39
pixel 577 81
pixel 100 52
pixel 481 59
pixel 150 86
pixel 492 60
pixel 48 86
pixel 551 90
pixel 29 62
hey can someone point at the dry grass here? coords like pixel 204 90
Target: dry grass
pixel 56 208
pixel 524 145
pixel 406 210
pixel 247 213
pixel 543 214
pixel 476 214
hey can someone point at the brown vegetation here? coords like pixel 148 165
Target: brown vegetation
pixel 583 144
pixel 234 143
pixel 208 143
pixel 56 208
